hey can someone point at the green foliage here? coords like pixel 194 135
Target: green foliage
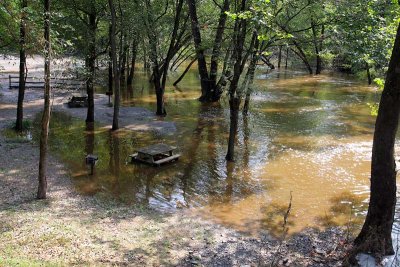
pixel 380 83
pixel 374 108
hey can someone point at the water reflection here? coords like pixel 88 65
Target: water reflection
pixel 308 135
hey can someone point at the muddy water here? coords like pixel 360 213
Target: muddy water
pixel 306 138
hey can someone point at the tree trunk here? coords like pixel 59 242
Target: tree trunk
pixel 280 57
pixel 268 62
pixel 287 58
pixel 368 73
pixel 217 51
pixel 250 74
pixel 44 134
pixel 133 62
pixel 318 68
pixel 184 73
pixel 110 63
pixel 91 65
pixel 22 66
pixel 156 76
pixel 375 236
pixel 146 64
pixel 239 37
pixel 172 43
pixel 115 125
pixel 300 53
pixel 89 139
pixel 123 58
pixel 234 104
pixel 201 59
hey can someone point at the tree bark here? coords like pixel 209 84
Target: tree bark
pixel 172 43
pixel 91 64
pixel 300 53
pixel 317 46
pixel 250 74
pixel 287 58
pixel 201 59
pixel 123 57
pixel 217 51
pixel 110 64
pixel 368 73
pixel 44 135
pixel 133 62
pixel 234 104
pixel 280 57
pixel 239 37
pixel 22 66
pixel 184 73
pixel 156 77
pixel 375 236
pixel 115 125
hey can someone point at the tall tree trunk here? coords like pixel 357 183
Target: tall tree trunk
pixel 250 74
pixel 146 66
pixel 234 104
pixel 133 62
pixel 317 47
pixel 368 73
pixel 287 58
pixel 280 57
pixel 217 51
pixel 172 43
pixel 156 76
pixel 110 67
pixel 89 139
pixel 375 236
pixel 44 134
pixel 91 65
pixel 123 58
pixel 22 66
pixel 201 59
pixel 115 125
pixel 239 37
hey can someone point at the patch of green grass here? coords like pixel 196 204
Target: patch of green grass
pixel 13 136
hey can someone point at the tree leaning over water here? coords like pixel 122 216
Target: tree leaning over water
pixel 44 135
pixel 375 236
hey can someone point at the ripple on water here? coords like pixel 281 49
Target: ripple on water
pixel 306 136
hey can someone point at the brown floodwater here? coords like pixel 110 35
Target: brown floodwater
pixel 306 138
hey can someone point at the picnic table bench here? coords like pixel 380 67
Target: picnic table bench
pixel 38 82
pixel 155 154
pixel 78 102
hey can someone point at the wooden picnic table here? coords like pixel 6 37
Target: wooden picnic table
pixel 155 154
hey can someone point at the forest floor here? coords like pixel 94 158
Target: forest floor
pixel 72 229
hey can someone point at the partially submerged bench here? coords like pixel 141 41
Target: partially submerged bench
pixel 78 102
pixel 155 154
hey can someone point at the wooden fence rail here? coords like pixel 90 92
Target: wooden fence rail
pixel 35 82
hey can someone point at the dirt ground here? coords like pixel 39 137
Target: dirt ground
pixel 71 229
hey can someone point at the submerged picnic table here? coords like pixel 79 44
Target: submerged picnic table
pixel 155 154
